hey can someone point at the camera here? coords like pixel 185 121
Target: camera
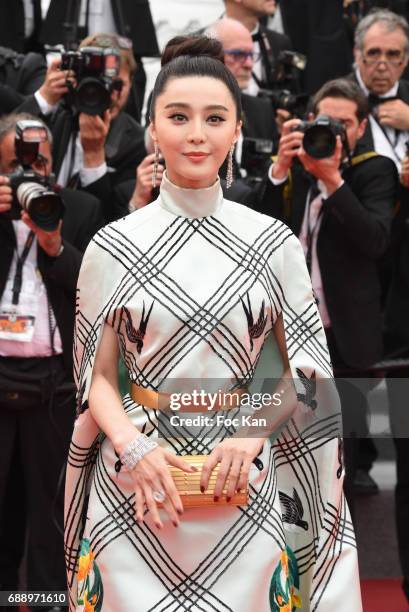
pixel 96 71
pixel 256 157
pixel 295 104
pixel 282 86
pixel 33 192
pixel 320 136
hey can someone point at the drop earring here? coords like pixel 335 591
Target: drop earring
pixel 229 174
pixel 155 165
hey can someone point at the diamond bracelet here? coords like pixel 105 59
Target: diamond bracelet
pixel 135 451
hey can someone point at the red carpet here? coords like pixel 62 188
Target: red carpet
pixel 377 595
pixel 383 596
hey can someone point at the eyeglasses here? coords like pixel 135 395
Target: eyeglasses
pixel 240 56
pixel 394 57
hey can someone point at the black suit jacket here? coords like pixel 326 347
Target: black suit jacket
pixel 132 19
pixel 316 28
pixel 278 42
pixel 258 118
pixel 354 233
pixel 82 220
pixel 20 79
pixel 124 150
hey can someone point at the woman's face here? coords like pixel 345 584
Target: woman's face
pixel 195 125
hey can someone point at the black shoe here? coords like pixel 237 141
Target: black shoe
pixel 364 484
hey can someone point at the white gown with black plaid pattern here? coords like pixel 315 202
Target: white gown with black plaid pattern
pixel 192 284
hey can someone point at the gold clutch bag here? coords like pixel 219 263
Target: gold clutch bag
pixel 188 486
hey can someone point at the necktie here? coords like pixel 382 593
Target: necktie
pixel 374 100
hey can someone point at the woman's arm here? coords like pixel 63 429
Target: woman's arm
pixel 151 473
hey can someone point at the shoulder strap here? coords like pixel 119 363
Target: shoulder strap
pixel 358 159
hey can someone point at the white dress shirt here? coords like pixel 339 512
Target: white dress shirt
pixel 33 301
pixel 394 144
pixel 312 217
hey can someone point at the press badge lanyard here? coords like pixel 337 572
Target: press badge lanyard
pixel 18 277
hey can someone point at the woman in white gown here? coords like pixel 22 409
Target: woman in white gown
pixel 187 289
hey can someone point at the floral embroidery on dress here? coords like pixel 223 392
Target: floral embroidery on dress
pixel 285 583
pixel 90 589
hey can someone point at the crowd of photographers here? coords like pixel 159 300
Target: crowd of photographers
pixel 324 147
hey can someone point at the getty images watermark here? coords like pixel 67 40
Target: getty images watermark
pixel 204 401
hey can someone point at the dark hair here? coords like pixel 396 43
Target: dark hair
pixel 186 56
pixel 9 122
pixel 342 88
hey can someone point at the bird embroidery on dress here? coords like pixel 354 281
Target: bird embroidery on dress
pixel 255 329
pixel 293 509
pixel 340 457
pixel 310 386
pixel 137 335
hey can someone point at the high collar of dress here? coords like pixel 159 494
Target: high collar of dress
pixel 191 203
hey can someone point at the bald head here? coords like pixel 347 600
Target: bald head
pixel 238 47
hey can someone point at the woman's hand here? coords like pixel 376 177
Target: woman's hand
pixel 151 474
pixel 142 194
pixel 235 456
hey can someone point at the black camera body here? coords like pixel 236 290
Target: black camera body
pixel 96 71
pixel 256 158
pixel 320 136
pixel 33 192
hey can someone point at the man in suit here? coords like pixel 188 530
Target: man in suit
pixel 38 276
pixel 268 43
pixel 381 55
pixel 20 76
pixel 258 113
pixel 91 152
pixel 342 210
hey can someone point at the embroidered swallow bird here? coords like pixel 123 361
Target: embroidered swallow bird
pixel 137 335
pixel 340 457
pixel 310 386
pixel 293 509
pixel 255 329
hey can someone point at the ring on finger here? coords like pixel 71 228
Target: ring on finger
pixel 159 496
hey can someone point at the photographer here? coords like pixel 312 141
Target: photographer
pixel 267 43
pixel 92 152
pixel 340 204
pixel 258 114
pixel 43 234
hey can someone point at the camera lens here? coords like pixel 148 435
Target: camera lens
pixel 319 141
pixel 45 207
pixel 92 96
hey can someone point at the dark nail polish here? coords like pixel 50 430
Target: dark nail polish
pixel 202 489
pixel 216 498
pixel 180 510
pixel 175 524
pixel 228 499
pixel 238 490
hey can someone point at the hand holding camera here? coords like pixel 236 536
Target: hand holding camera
pixel 55 84
pixel 142 194
pixel 93 133
pixel 6 194
pixel 288 148
pixel 25 190
pixel 326 169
